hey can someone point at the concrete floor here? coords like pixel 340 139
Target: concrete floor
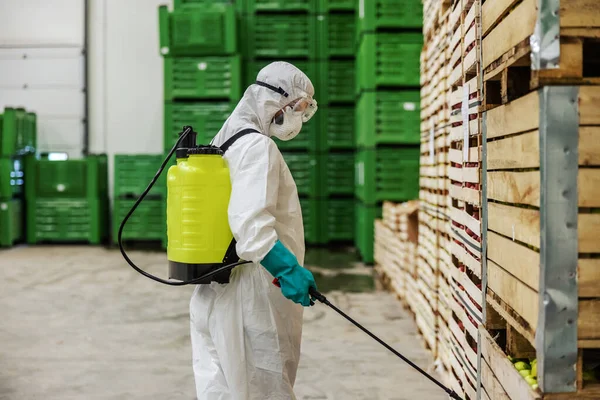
pixel 77 323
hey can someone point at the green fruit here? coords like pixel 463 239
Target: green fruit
pixel 534 387
pixel 531 380
pixel 521 366
pixel 589 376
pixel 524 372
pixel 534 369
pixel 510 358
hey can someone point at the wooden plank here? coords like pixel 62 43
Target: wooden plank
pixel 589 98
pixel 523 224
pixel 579 13
pixel 588 185
pixel 470 174
pixel 520 115
pixel 516 259
pixel 512 30
pixel 514 187
pixel 517 223
pixel 513 384
pixel 588 322
pixel 520 297
pixel 521 151
pixel 588 344
pixel 492 388
pixel 588 277
pixel 589 145
pixel 493 11
pixel 588 227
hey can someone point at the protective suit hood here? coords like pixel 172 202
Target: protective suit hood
pixel 259 104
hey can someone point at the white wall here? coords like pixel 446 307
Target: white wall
pixel 42 67
pixel 126 78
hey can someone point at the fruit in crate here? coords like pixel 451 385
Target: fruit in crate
pixel 521 365
pixel 531 380
pixel 525 373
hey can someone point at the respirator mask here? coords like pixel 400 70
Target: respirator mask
pixel 287 123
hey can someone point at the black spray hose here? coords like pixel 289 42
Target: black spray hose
pixel 315 294
pixel 182 136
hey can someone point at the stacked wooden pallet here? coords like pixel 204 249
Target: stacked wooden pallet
pixel 433 181
pixel 525 152
pixel 465 193
pixel 396 246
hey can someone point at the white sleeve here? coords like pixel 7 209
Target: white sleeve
pixel 254 190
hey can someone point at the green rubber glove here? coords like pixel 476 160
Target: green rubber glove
pixel 295 280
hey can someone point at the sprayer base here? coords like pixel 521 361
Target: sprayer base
pixel 188 272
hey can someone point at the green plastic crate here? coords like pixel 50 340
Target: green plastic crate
pixel 203 78
pixel 80 178
pixel 148 222
pixel 11 222
pixel 312 218
pixel 133 173
pixel 280 5
pixel 387 174
pixel 252 68
pixel 12 177
pixel 305 171
pixel 365 230
pixel 279 36
pixel 377 14
pixel 325 6
pixel 336 35
pixel 67 220
pixel 29 141
pixel 206 118
pixel 239 4
pixel 337 128
pixel 339 220
pixel 388 118
pixel 338 170
pixel 388 60
pixel 11 130
pixel 336 82
pixel 198 31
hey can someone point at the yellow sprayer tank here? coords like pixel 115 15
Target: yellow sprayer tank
pixel 198 195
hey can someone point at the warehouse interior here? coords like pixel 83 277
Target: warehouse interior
pixel 449 186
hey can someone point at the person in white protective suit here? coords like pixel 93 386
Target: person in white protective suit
pixel 246 334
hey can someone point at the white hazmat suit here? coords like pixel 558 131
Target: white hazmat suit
pixel 245 334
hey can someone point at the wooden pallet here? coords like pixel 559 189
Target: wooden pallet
pixel 514 230
pixel 507 26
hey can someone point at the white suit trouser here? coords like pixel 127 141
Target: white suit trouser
pixel 245 338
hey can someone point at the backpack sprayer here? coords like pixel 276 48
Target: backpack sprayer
pixel 201 247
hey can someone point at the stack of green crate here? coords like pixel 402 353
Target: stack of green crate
pixel 202 67
pixel 389 40
pixel 198 41
pixel 18 136
pixel 317 36
pixel 67 200
pixel 131 176
pixel 335 93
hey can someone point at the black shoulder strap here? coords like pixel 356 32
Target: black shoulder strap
pixel 225 146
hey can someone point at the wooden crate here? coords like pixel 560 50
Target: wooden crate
pixel 513 237
pixel 506 28
pixel 396 245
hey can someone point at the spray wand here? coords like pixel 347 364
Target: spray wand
pixel 315 294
